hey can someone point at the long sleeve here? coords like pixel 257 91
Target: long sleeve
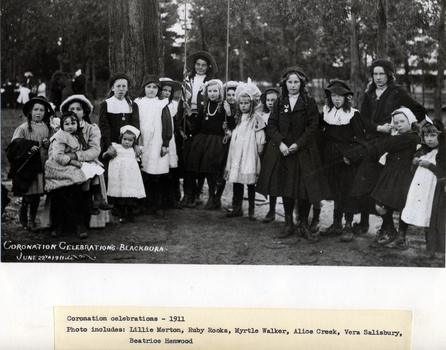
pixel 104 126
pixel 312 125
pixel 273 125
pixel 57 152
pixel 135 116
pixel 94 144
pixel 166 120
pixel 366 114
pixel 260 140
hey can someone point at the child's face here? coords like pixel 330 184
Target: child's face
pixel 401 123
pixel 380 77
pixel 270 99
pixel 127 140
pixel 293 84
pixel 70 125
pixel 166 91
pixel 77 108
pixel 213 92
pixel 37 112
pixel 151 90
pixel 230 96
pixel 338 100
pixel 201 66
pixel 120 88
pixel 245 104
pixel 431 139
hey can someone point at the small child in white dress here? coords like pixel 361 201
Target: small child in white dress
pixel 418 208
pixel 247 142
pixel 125 183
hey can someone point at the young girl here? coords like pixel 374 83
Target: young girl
pixel 64 174
pixel 418 208
pixel 435 238
pixel 268 98
pixel 172 184
pixel 393 184
pixel 342 130
pixel 248 138
pixel 115 112
pixel 229 89
pixel 38 112
pixel 91 133
pixel 207 151
pixel 156 133
pixel 292 167
pixel 125 183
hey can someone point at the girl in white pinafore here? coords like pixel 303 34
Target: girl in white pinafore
pixel 418 208
pixel 125 183
pixel 156 132
pixel 247 141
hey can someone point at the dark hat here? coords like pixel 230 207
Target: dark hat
pixel 167 81
pixel 383 63
pixel 191 59
pixel 272 90
pixel 119 76
pixel 151 79
pixel 295 69
pixel 41 100
pixel 338 87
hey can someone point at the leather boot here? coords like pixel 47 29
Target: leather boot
pixel 237 201
pixel 251 201
pixel 304 231
pixel 289 227
pixel 23 214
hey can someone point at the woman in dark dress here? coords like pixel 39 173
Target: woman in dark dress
pixel 292 168
pixel 381 99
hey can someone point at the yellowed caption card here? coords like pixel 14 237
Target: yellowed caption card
pixel 229 328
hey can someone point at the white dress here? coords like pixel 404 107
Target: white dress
pixel 150 123
pixel 418 208
pixel 124 176
pixel 173 157
pixel 248 138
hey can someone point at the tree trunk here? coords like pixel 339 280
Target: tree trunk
pixel 136 42
pixel 241 56
pixel 382 47
pixel 440 60
pixel 355 68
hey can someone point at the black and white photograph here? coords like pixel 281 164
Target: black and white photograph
pixel 237 133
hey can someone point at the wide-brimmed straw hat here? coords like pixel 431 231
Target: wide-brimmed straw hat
pixel 191 59
pixel 176 86
pixel 38 99
pixel 74 98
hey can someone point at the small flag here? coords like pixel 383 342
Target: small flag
pixel 187 86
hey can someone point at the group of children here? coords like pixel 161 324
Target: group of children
pixel 277 143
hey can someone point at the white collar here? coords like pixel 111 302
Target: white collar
pixel 338 116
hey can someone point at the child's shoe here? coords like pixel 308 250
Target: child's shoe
pixel 100 203
pixel 23 215
pixel 389 236
pixel 334 229
pixel 360 228
pixel 314 226
pixel 347 233
pixel 304 232
pixel 271 216
pixel 32 226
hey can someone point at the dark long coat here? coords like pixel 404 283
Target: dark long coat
pixel 301 174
